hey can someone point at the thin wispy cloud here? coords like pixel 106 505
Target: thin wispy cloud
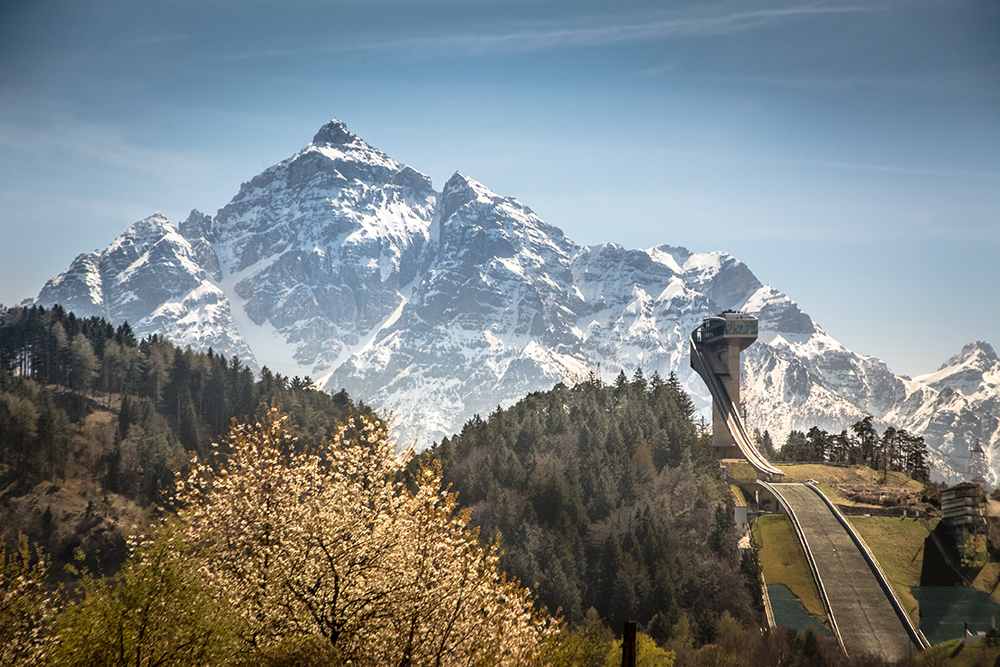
pixel 98 143
pixel 977 83
pixel 846 165
pixel 593 31
pixel 659 69
pixel 897 169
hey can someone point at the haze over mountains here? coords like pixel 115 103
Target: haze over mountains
pixel 342 264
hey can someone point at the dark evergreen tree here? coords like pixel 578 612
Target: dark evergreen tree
pixel 817 444
pixel 868 441
pixel 124 335
pixel 188 430
pixel 767 444
pixel 796 448
pixel 589 506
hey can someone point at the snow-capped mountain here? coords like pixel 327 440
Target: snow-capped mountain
pixel 157 280
pixel 956 406
pixel 341 262
pixel 796 382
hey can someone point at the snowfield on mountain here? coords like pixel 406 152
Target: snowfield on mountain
pixel 344 265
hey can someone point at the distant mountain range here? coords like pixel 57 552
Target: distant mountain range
pixel 344 265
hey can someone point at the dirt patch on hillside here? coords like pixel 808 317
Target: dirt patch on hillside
pixel 880 496
pixel 71 513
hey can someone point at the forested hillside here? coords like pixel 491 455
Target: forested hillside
pixel 93 423
pixel 894 450
pixel 299 536
pixel 608 497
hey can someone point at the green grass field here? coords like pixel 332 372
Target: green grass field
pixel 955 654
pixel 988 581
pixel 830 474
pixel 740 470
pixel 898 545
pixel 784 562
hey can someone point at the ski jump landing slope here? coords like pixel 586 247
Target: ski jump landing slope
pixel 862 609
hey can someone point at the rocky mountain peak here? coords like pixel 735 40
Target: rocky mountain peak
pixel 334 133
pixel 197 225
pixel 977 349
pixel 143 233
pixel 459 182
pixel 341 262
pixel 977 357
pixel 151 223
pixel 459 191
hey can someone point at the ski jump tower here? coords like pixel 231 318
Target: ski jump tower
pixel 715 356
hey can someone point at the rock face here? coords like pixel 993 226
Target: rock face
pixel 156 279
pixel 342 263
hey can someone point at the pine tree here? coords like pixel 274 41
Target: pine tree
pixel 868 442
pixel 767 444
pixel 188 431
pixel 818 444
pixel 124 335
pixel 84 364
pixel 915 456
pixel 796 447
pixel 18 428
pixel 639 381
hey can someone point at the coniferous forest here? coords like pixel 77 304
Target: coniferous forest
pixel 160 506
pixel 80 398
pixel 609 497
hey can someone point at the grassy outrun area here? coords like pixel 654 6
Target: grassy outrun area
pixel 954 654
pixel 856 474
pixel 829 477
pixel 898 545
pixel 784 562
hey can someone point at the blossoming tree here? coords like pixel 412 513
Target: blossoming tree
pixel 334 543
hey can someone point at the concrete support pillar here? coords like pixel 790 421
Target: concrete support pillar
pixel 727 352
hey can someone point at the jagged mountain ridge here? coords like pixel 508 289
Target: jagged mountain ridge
pixel 341 262
pixel 158 280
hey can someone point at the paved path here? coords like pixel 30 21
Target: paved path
pixel 866 619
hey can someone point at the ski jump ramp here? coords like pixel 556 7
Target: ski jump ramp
pixel 864 612
pixel 715 349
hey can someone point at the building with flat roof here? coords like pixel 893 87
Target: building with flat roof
pixel 963 507
pixel 963 512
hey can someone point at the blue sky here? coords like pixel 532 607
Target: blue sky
pixel 849 154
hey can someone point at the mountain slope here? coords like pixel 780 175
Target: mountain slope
pixel 316 249
pixel 341 262
pixel 955 407
pixel 159 281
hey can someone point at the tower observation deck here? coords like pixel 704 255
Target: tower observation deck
pixel 715 355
